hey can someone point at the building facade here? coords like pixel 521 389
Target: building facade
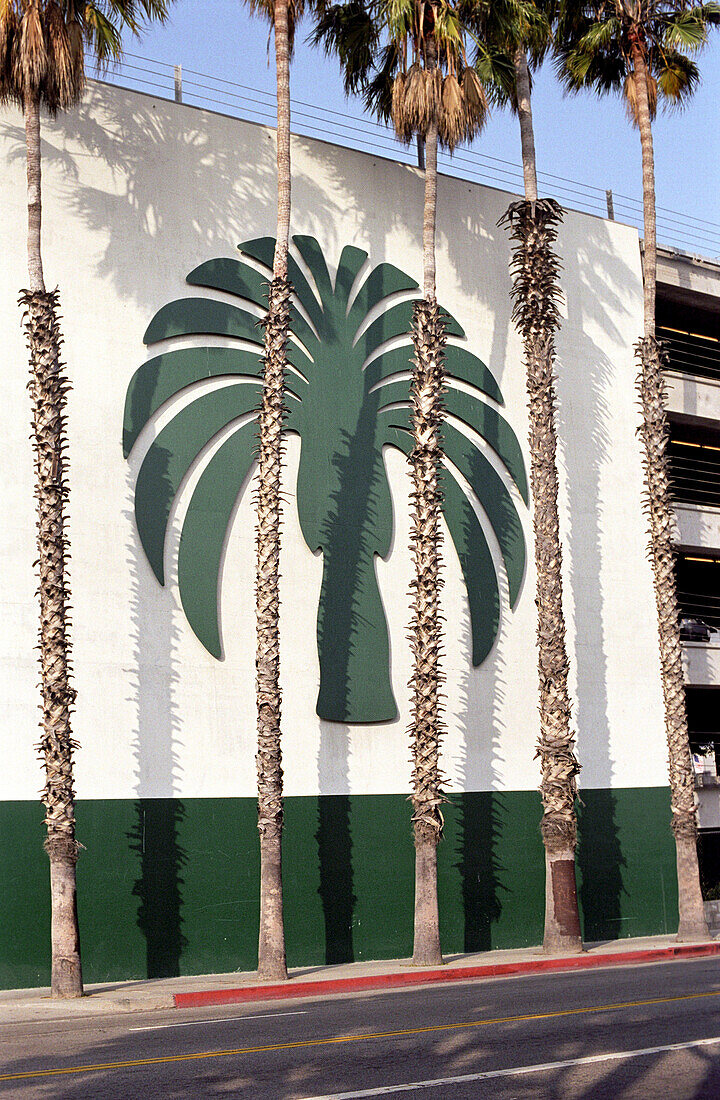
pixel 688 315
pixel 146 203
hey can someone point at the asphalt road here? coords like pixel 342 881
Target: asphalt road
pixel 640 1032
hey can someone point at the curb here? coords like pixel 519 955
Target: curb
pixel 294 989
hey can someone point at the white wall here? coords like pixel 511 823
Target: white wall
pixel 137 192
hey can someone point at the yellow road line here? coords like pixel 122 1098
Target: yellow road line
pixel 334 1039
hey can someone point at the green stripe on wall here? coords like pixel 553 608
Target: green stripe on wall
pixel 169 886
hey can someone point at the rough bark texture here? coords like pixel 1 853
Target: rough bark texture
pixel 271 951
pixel 426 942
pixel 426 626
pixel 658 505
pixel 692 924
pixel 562 919
pixel 535 269
pixel 48 391
pixel 271 944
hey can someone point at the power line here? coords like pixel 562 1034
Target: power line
pixel 379 137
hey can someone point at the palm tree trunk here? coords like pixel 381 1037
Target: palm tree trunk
pixel 34 194
pixel 535 270
pixel 271 944
pixel 654 434
pixel 48 394
pixel 425 629
pixel 48 391
pixel 527 133
pixel 282 65
pixel 430 212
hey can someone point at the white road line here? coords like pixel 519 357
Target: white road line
pixel 467 1078
pixel 218 1020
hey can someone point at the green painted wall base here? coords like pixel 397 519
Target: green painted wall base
pixel 169 886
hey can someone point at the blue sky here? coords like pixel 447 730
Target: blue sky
pixel 577 137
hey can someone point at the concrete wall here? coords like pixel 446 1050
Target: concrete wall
pixel 697 398
pixel 137 192
pixel 698 527
pixel 686 274
pixel 701 662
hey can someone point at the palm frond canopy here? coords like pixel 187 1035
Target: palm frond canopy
pixel 418 62
pixel 43 44
pixel 500 28
pixel 348 397
pixel 596 44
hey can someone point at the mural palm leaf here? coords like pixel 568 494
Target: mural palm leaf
pixel 348 396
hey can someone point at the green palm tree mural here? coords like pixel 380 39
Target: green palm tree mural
pixel 348 396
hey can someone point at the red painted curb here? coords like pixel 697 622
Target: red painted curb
pixel 294 988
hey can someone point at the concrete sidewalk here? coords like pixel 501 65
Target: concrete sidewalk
pixel 34 1005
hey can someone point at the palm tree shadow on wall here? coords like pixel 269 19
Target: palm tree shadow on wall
pixel 155 836
pixel 482 813
pixel 345 637
pixel 482 822
pixel 586 445
pixel 131 168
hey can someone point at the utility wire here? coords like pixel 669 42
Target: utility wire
pixel 377 137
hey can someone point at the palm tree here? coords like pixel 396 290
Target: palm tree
pixel 639 48
pixel 533 226
pixel 283 16
pixel 42 64
pixel 360 395
pixel 421 79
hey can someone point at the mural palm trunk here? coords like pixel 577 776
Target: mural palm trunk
pixel 426 627
pixel 535 269
pixel 271 944
pixel 48 388
pixel 654 435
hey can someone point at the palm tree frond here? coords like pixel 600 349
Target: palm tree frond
pixel 102 36
pixel 419 105
pixel 8 35
pixel 496 72
pixel 349 31
pixel 377 93
pixel 32 57
pixel 398 109
pixel 452 125
pixel 473 91
pixel 678 79
pixel 416 100
pixel 687 31
pixel 631 96
pixel 600 36
pixel 448 31
pixel 65 78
